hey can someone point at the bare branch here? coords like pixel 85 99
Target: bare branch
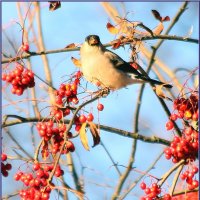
pixel 166 37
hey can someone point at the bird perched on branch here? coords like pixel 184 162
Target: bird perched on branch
pixel 106 69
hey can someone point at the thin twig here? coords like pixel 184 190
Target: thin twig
pixel 140 178
pixel 109 155
pixel 123 177
pixel 72 168
pixel 18 145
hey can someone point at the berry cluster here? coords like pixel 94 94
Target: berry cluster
pixel 188 176
pixel 186 109
pixel 5 167
pixel 184 147
pixel 47 131
pixel 20 79
pixel 152 192
pixel 38 188
pixel 67 93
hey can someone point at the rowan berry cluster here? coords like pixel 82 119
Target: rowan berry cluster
pixel 37 184
pixel 67 93
pixel 188 176
pixel 5 167
pixel 184 146
pixel 184 108
pixel 48 132
pixel 20 79
pixel 152 192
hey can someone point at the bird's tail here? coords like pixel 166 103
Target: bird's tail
pixel 149 80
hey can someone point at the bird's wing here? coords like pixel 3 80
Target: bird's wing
pixel 119 63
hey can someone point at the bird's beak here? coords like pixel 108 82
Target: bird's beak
pixel 93 41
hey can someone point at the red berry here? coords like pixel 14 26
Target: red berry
pixel 173 117
pixel 77 127
pixel 3 157
pixel 70 146
pixel 147 191
pixel 82 119
pixel 17 177
pixel 66 112
pixel 4 173
pixel 19 91
pixel 26 182
pixel 75 100
pixel 90 117
pixel 37 182
pixel 58 173
pixel 183 176
pixel 8 166
pixel 168 156
pixel 19 67
pixel 58 115
pixel 3 76
pixel 195 183
pixel 143 186
pixel 68 93
pixel 169 125
pixel 167 197
pixel 25 47
pixel 36 166
pixel 180 114
pixel 100 107
pixel 195 169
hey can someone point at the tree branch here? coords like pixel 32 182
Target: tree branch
pixel 166 37
pixel 152 139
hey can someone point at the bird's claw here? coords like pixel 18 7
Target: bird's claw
pixel 105 92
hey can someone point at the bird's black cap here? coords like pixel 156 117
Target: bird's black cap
pixel 93 40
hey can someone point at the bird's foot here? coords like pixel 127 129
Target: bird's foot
pixel 105 91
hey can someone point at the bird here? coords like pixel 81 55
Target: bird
pixel 106 69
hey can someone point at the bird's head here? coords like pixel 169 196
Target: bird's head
pixel 93 40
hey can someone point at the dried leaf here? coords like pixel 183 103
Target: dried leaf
pixel 117 44
pixel 44 151
pixel 76 62
pixel 156 14
pixel 72 45
pixel 83 136
pixel 95 133
pixel 159 92
pixel 164 19
pixel 54 5
pixel 158 29
pixel 112 29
